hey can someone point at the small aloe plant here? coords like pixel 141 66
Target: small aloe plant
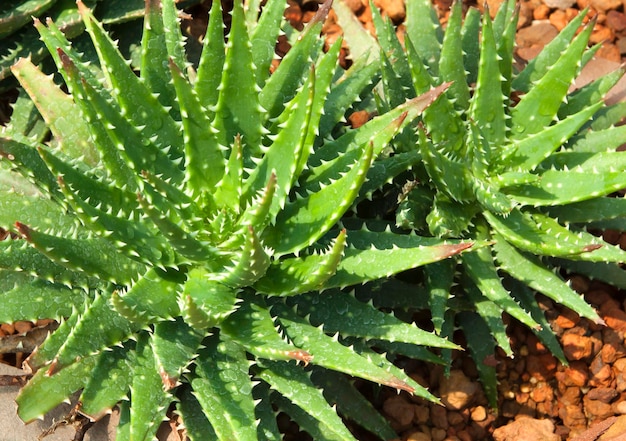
pixel 185 225
pixel 513 158
pixel 18 38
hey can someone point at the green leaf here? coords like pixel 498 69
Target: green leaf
pixel 303 221
pixel 148 298
pixel 539 66
pixel 254 329
pixel 26 160
pixel 27 298
pixel 149 400
pixel 339 312
pixel 345 91
pixel 480 267
pixel 528 152
pixel 294 384
pixel 204 160
pixel 533 273
pixel 140 107
pixel 238 111
pixel 370 255
pixel 542 235
pixel 55 388
pixel 224 390
pixel 439 281
pixel 109 382
pixel 471 44
pixel 363 46
pixel 301 274
pixel 264 36
pixel 196 423
pixel 481 346
pixel 153 47
pixel 175 346
pixel 538 108
pixel 207 302
pixel 58 110
pixel 96 257
pixel 211 61
pixel 423 28
pixel 491 314
pixel 99 327
pixel 21 14
pixel 350 403
pixel 283 156
pixel 526 297
pixel 591 210
pixel 451 52
pixel 487 104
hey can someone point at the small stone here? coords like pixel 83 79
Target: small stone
pixel 616 21
pixel 457 391
pixel 573 416
pixel 422 414
pixel 479 413
pixel 541 393
pixel 597 410
pixel 576 347
pixel 620 407
pixel 567 319
pixel 438 416
pixel 541 367
pixel 356 6
pixel 601 373
pixel 455 418
pixel 22 327
pixel 605 5
pixel 438 434
pixel 558 19
pixel 576 374
pixel 615 319
pixel 526 429
pixel 601 34
pixel 604 394
pixel 540 33
pixel 393 8
pixel 541 12
pixel 419 436
pixel 559 4
pixel 399 410
pixel 358 118
pixel 570 397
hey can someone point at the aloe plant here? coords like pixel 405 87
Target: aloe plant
pixel 513 158
pixel 185 225
pixel 18 38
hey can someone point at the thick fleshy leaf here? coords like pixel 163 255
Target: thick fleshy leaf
pixel 533 273
pixel 224 390
pixel 339 312
pixel 149 400
pixel 109 381
pixel 56 388
pixel 294 384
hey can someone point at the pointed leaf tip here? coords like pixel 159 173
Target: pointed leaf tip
pixel 24 230
pixel 450 250
pixel 322 12
pixel 300 355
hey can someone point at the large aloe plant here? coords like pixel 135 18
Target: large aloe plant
pixel 513 158
pixel 185 226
